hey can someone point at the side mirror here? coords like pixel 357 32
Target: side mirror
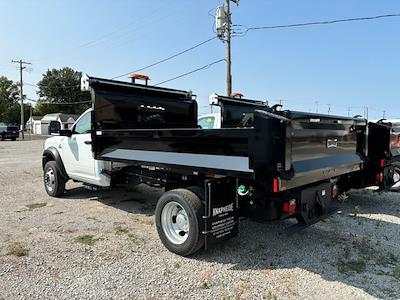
pixel 66 132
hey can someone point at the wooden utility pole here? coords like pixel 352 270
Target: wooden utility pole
pixel 228 50
pixel 22 66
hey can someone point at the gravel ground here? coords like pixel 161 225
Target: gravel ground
pixel 103 245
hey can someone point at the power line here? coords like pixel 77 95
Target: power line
pixel 330 22
pixel 191 72
pixel 168 58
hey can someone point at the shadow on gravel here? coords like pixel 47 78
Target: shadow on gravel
pixel 341 248
pixel 356 252
pixel 140 199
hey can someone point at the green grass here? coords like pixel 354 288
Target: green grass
pixel 86 240
pixel 351 266
pixel 36 205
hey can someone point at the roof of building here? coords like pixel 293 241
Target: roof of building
pixel 63 117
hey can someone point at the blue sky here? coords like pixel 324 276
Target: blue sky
pixel 346 65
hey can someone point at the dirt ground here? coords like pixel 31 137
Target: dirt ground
pixel 104 245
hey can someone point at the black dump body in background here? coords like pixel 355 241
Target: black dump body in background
pixel 255 142
pixel 383 141
pixel 383 153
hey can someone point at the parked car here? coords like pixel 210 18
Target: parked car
pixel 8 132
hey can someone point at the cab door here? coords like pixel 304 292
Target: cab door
pixel 77 150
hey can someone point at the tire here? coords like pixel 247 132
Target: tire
pixel 14 139
pixel 1 137
pixel 179 221
pixel 54 182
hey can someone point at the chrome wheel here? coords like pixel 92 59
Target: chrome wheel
pixel 175 223
pixel 396 177
pixel 50 179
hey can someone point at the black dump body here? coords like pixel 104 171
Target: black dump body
pixel 383 153
pixel 383 141
pixel 157 128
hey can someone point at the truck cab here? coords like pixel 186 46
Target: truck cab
pixel 72 152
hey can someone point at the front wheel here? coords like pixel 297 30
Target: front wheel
pixel 179 220
pixel 54 182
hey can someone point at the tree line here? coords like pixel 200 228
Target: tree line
pixel 56 89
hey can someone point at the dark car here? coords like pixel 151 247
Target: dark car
pixel 8 132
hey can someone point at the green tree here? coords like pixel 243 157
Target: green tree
pixel 13 116
pixel 8 98
pixel 61 87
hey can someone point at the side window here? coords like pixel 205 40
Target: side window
pixel 84 124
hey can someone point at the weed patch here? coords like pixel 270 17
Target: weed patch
pixel 121 230
pixel 350 266
pixel 17 249
pixel 86 240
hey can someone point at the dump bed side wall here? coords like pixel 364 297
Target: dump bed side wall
pixel 304 149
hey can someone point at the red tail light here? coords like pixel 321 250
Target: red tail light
pixel 334 191
pixel 290 207
pixel 382 163
pixel 379 177
pixel 275 185
pixel 278 185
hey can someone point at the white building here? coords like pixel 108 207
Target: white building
pixel 34 125
pixel 65 121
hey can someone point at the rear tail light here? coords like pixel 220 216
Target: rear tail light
pixel 379 177
pixel 382 163
pixel 334 191
pixel 275 185
pixel 278 185
pixel 290 207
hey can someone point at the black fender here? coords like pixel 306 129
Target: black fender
pixel 50 154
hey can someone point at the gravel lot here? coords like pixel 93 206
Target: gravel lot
pixel 104 245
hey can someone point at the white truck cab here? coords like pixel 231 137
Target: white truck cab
pixel 71 153
pixel 210 121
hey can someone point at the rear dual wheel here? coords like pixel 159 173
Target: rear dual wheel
pixel 179 220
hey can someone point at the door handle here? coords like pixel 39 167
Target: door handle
pixel 88 142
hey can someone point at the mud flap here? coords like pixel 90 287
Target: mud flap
pixel 316 203
pixel 221 219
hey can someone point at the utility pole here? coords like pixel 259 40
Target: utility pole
pixel 316 103
pixel 22 66
pixel 228 49
pixel 366 113
pixel 348 111
pixel 329 109
pixel 223 24
pixel 384 114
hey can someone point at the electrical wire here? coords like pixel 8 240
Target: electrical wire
pixel 191 72
pixel 168 58
pixel 318 23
